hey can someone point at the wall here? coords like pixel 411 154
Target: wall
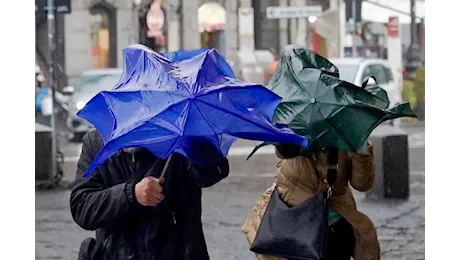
pixel 42 54
pixel 190 29
pixel 77 35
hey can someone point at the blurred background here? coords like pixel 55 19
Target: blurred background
pixel 90 35
pixel 380 38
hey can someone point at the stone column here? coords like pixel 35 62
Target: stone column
pixel 292 25
pixel 231 29
pixel 190 28
pixel 124 28
pixel 283 27
pixel 173 13
pixel 301 36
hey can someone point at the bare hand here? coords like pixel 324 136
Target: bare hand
pixel 149 191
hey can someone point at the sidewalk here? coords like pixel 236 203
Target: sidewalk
pixel 415 123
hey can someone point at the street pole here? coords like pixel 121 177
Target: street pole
pixel 413 24
pixel 173 17
pixel 301 34
pixel 355 27
pixel 339 23
pixel 413 57
pixel 135 22
pixel 52 82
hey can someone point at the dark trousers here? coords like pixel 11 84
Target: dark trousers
pixel 341 241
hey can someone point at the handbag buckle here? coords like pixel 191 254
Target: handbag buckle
pixel 329 189
pixel 329 192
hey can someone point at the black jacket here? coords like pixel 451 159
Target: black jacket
pixel 105 202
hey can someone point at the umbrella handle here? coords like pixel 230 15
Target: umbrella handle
pixel 367 80
pixel 165 168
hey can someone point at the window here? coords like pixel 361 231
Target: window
pixel 389 74
pixel 100 40
pixel 103 35
pixel 380 73
pixel 367 73
pixel 348 72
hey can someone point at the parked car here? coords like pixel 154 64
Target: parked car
pixel 356 70
pixel 91 83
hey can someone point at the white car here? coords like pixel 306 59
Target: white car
pixel 91 83
pixel 356 70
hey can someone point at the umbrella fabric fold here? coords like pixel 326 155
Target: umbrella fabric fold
pixel 166 105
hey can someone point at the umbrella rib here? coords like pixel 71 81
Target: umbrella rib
pixel 126 81
pixel 175 141
pixel 111 113
pixel 335 128
pixel 296 79
pixel 331 89
pixel 235 114
pixel 205 119
pixel 138 123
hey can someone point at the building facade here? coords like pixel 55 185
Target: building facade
pixel 95 34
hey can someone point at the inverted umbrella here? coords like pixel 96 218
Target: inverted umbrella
pixel 165 105
pixel 327 110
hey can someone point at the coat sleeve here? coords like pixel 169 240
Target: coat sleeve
pixel 94 205
pixel 362 169
pixel 206 176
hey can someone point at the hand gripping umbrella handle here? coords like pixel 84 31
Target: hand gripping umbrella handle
pixel 165 168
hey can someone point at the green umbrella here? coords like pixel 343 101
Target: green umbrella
pixel 329 111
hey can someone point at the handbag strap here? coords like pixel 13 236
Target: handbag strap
pixel 333 166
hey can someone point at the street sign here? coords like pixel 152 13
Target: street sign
pixel 290 12
pixel 61 6
pixel 393 27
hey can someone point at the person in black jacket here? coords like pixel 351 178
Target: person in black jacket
pixel 135 215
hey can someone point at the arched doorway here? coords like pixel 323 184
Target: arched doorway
pixel 103 35
pixel 212 20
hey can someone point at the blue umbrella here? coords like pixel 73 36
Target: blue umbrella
pixel 166 104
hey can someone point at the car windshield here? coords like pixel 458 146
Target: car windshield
pixel 96 83
pixel 347 72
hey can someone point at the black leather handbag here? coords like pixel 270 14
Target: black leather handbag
pixel 298 232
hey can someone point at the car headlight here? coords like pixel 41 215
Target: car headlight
pixel 80 105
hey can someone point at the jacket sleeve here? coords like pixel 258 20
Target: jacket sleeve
pixel 206 176
pixel 94 205
pixel 362 169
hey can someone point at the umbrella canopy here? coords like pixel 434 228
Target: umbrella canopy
pixel 166 105
pixel 327 110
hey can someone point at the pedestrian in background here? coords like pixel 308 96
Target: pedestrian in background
pixel 136 215
pixel 268 72
pixel 41 91
pixel 299 178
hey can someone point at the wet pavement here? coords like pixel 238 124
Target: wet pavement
pixel 400 224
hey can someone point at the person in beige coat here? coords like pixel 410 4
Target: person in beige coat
pixel 351 233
